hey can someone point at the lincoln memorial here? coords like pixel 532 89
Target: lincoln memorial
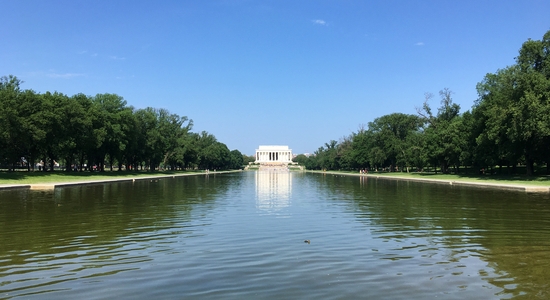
pixel 273 155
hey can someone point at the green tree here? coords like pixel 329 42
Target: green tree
pixel 345 153
pixel 215 156
pixel 99 129
pixel 75 127
pixel 211 153
pixel 312 162
pixel 172 129
pixel 236 160
pixel 110 127
pixel 328 156
pixel 443 139
pixel 300 159
pixel 58 141
pixel 189 150
pixel 360 148
pixel 10 127
pixel 32 132
pixel 389 138
pixel 416 152
pixel 515 104
pixel 21 131
pixel 248 159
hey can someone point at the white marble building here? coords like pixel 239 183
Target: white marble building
pixel 273 155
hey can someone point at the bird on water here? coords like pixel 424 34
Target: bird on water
pixel 307 241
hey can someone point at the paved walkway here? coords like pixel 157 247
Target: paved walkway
pixel 283 168
pixel 53 185
pixel 509 186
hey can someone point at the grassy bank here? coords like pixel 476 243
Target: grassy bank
pixel 23 177
pixel 498 179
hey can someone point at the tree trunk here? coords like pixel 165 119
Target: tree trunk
pixel 444 167
pixel 529 167
pixel 68 163
pixel 81 162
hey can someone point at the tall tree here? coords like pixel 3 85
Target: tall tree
pixel 76 127
pixel 390 137
pixel 110 127
pixel 171 129
pixel 442 138
pixel 345 153
pixel 32 133
pixel 236 159
pixel 515 103
pixel 360 148
pixel 10 143
pixel 58 140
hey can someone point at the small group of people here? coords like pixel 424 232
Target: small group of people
pixel 43 166
pixel 363 171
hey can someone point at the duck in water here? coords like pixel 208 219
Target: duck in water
pixel 307 241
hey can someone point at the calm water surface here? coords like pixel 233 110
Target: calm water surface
pixel 241 235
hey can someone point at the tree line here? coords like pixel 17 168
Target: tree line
pixel 508 125
pixel 82 131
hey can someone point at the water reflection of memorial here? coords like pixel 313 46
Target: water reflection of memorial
pixel 273 189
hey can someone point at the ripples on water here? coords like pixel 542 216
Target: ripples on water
pixel 242 236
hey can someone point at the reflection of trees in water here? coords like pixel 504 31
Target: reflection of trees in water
pixel 507 229
pixel 47 221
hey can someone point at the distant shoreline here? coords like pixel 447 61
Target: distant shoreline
pixel 53 185
pixel 495 185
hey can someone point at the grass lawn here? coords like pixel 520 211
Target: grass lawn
pixel 24 177
pixel 543 180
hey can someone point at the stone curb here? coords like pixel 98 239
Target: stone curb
pixel 517 187
pixel 53 185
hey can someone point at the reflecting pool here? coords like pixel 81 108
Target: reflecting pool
pixel 241 235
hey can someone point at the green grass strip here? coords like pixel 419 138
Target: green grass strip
pixel 543 180
pixel 23 177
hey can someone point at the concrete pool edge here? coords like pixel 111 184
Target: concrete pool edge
pixel 53 185
pixel 518 187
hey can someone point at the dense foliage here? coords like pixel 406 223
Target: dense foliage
pixel 87 133
pixel 509 125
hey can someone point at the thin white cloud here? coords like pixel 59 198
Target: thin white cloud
pixel 419 44
pixel 86 52
pixel 65 75
pixel 319 22
pixel 117 58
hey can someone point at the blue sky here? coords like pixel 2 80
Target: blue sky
pixel 296 73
